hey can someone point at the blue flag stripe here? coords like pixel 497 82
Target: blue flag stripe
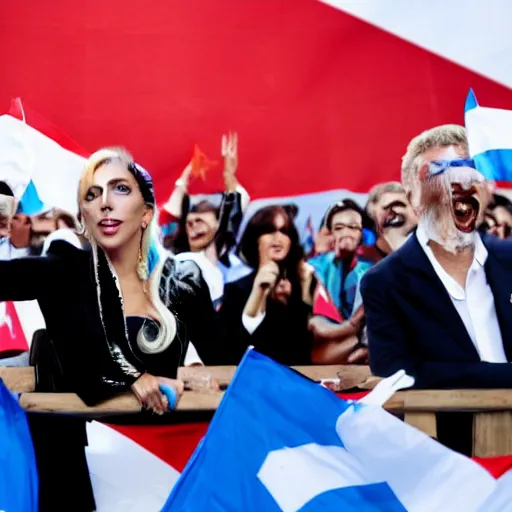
pixel 270 410
pixel 495 164
pixel 30 203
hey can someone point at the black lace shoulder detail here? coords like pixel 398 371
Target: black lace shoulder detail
pixel 179 280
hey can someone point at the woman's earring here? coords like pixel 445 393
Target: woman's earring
pixel 80 228
pixel 142 267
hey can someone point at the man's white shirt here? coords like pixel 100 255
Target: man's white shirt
pixel 475 303
pixel 9 252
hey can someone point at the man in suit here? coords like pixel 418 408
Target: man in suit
pixel 440 307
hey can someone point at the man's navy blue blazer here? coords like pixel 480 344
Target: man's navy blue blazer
pixel 413 325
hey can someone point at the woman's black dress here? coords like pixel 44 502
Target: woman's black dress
pixel 87 334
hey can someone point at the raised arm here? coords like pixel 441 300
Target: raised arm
pixel 173 206
pixel 231 183
pixel 25 278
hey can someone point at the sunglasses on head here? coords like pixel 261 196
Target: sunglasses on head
pixel 285 230
pixel 436 167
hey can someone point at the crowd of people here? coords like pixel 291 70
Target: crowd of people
pixel 127 302
pixel 262 285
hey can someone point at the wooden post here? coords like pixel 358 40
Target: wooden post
pixel 422 420
pixel 492 433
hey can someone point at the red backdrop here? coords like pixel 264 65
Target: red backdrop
pixel 320 100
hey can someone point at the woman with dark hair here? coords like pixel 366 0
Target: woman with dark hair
pixel 270 307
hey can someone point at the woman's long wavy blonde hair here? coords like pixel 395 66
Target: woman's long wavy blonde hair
pixel 149 241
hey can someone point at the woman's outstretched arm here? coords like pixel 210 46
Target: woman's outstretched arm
pixel 25 278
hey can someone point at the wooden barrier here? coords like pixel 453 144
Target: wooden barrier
pixel 492 409
pixel 22 380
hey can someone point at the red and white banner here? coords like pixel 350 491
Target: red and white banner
pixel 324 97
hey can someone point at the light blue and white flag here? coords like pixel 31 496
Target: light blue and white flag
pixel 280 442
pixel 490 139
pixel 18 471
pixel 42 173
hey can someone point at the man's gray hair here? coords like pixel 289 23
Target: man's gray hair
pixel 437 137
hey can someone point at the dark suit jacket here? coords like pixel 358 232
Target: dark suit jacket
pixel 413 325
pixel 283 334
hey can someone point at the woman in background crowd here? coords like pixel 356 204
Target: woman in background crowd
pixel 339 270
pixel 270 307
pixel 119 317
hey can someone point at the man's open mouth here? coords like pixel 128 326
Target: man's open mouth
pixel 395 220
pixel 465 211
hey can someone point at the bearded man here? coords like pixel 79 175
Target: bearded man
pixel 440 307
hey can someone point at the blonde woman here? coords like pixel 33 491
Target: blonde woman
pixel 121 315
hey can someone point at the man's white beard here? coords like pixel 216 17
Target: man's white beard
pixel 446 234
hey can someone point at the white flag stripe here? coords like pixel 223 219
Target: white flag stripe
pixel 125 476
pixel 26 153
pixel 287 473
pixel 446 28
pixel 488 129
pixel 424 475
pixel 501 498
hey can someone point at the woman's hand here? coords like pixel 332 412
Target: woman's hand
pixel 282 291
pixel 306 273
pixel 266 278
pixel 264 283
pixel 147 390
pixel 360 354
pixel 177 384
pixel 184 179
pixel 324 241
pixel 230 154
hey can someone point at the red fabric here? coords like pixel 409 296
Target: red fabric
pixel 497 466
pixel 353 396
pixel 20 110
pixel 308 88
pixel 173 444
pixel 12 337
pixel 323 305
pixel 164 217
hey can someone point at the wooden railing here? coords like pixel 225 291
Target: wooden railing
pixel 492 409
